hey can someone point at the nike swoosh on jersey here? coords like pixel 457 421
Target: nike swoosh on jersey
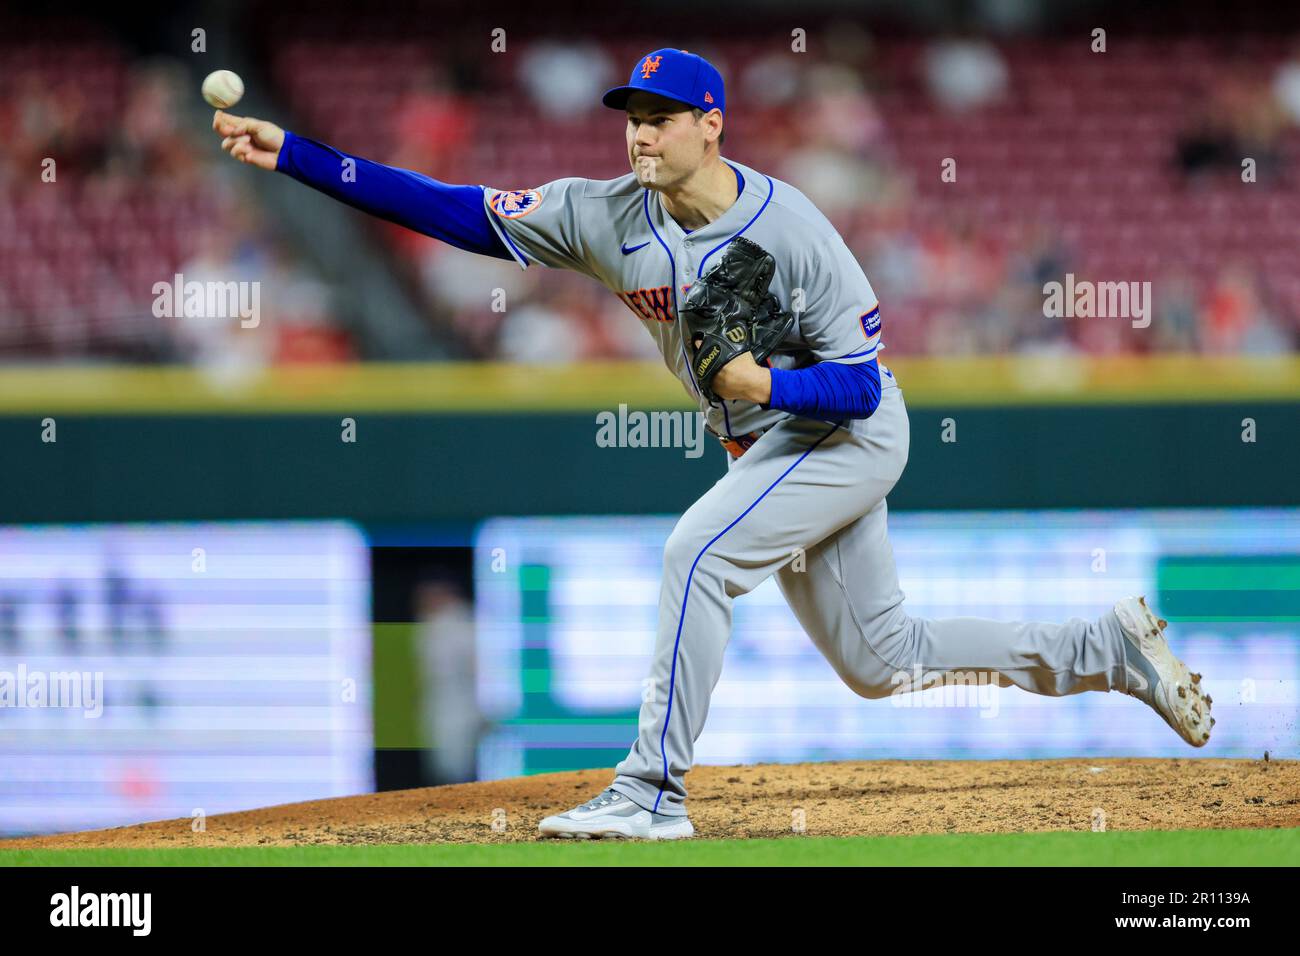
pixel 628 252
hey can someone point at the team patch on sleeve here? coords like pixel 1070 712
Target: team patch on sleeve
pixel 871 322
pixel 515 203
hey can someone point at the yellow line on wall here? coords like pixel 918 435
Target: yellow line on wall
pixel 497 387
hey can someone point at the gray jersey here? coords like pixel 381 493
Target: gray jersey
pixel 618 233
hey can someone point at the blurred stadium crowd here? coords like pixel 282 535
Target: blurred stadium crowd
pixel 1116 166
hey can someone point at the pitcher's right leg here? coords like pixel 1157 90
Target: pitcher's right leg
pixel 849 602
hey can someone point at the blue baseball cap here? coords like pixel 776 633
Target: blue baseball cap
pixel 676 74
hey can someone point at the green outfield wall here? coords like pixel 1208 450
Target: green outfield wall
pixel 454 443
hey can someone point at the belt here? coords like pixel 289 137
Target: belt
pixel 737 445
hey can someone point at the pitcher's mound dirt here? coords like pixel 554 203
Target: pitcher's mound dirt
pixel 839 799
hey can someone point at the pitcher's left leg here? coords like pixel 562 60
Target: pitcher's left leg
pixel 794 487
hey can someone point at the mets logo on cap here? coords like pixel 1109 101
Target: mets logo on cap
pixel 515 203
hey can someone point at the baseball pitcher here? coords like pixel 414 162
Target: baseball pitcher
pixel 762 312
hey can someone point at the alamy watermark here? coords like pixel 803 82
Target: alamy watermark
pixel 69 690
pixel 919 688
pixel 637 429
pixel 208 300
pixel 1103 300
pixel 75 908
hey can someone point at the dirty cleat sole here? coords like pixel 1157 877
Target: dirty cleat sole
pixel 1158 678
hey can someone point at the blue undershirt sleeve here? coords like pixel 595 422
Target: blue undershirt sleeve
pixel 827 390
pixel 454 214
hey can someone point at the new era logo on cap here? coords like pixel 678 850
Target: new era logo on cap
pixel 676 74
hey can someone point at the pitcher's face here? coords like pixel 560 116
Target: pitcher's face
pixel 666 144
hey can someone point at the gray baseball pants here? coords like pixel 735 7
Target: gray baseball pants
pixel 819 487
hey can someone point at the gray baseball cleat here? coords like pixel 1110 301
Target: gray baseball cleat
pixel 1158 678
pixel 613 815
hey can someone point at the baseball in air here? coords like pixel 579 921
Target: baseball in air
pixel 222 89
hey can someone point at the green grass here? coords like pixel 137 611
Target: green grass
pixel 1135 848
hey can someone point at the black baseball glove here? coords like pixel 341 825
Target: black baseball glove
pixel 729 311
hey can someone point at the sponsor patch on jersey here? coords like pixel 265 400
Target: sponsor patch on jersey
pixel 871 322
pixel 515 203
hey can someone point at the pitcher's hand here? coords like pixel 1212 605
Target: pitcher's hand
pixel 249 140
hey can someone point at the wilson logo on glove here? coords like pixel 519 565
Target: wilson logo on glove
pixel 702 364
